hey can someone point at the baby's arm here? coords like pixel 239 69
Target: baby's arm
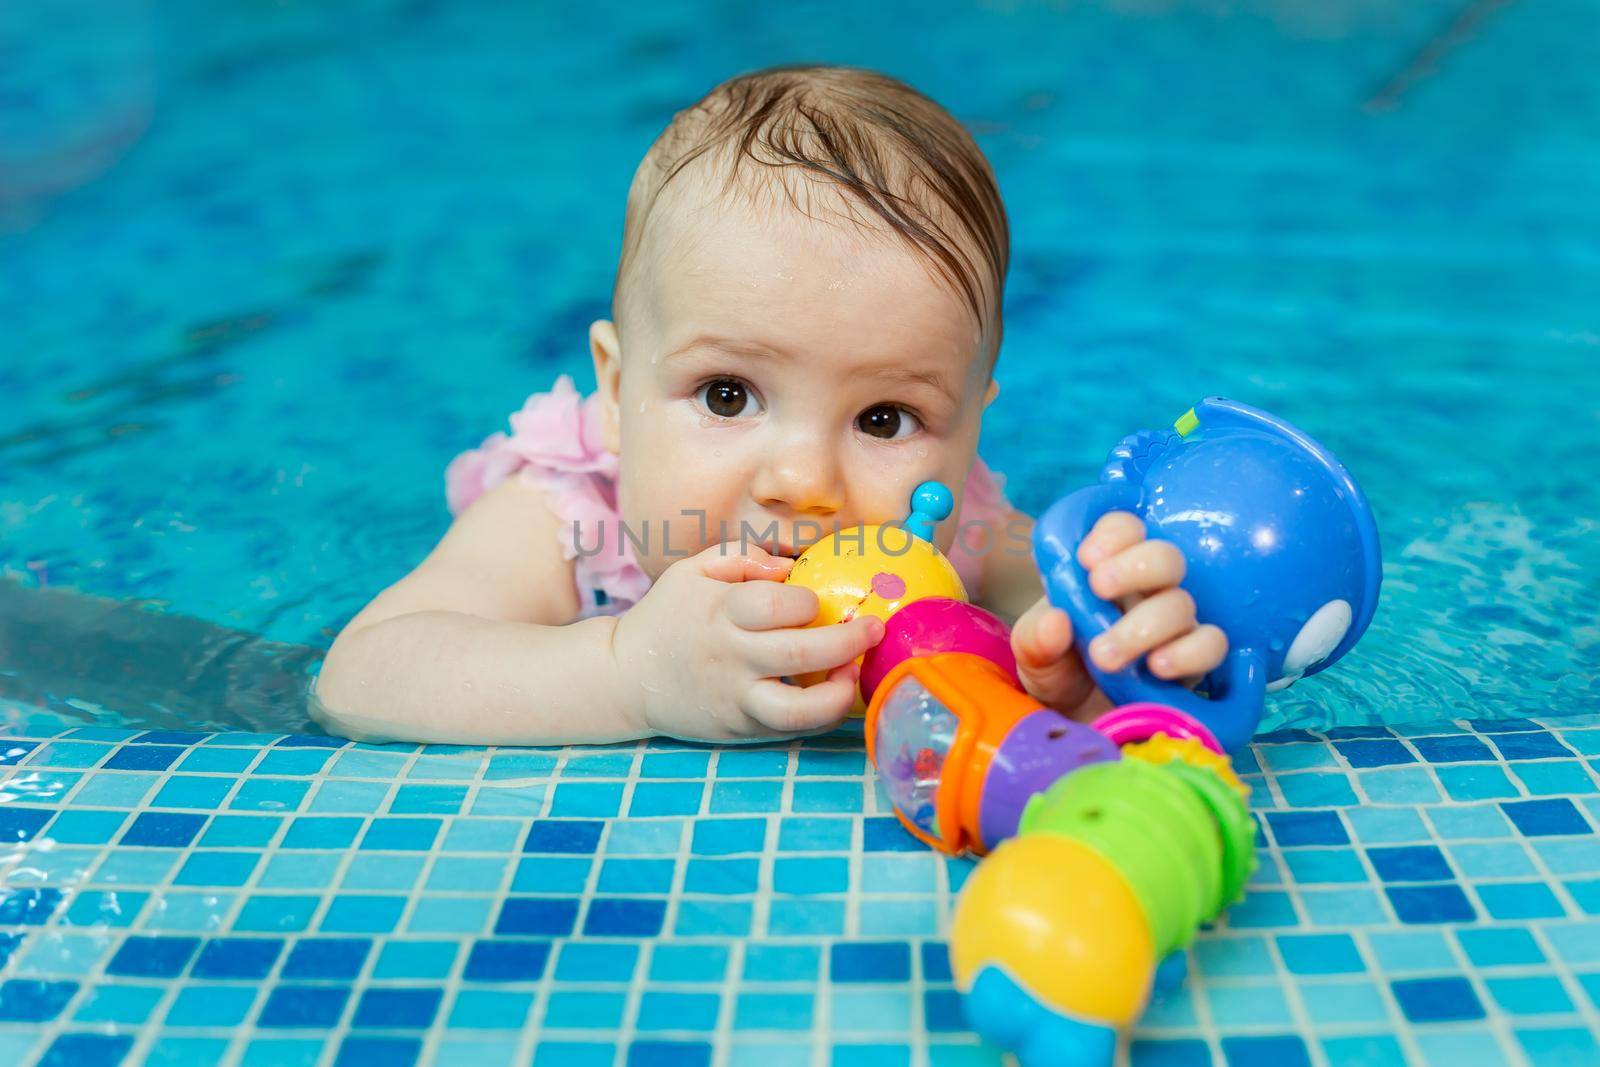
pixel 470 647
pixel 475 647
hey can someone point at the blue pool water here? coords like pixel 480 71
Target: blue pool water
pixel 264 268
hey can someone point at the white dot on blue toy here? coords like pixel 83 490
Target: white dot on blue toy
pixel 931 504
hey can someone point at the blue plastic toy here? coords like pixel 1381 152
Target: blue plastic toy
pixel 1281 546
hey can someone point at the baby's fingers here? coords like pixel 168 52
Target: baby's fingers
pixel 1144 568
pixel 1050 670
pixel 793 709
pixel 769 605
pixel 1115 531
pixel 783 653
pixel 1192 656
pixel 1148 624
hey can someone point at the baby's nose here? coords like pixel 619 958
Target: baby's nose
pixel 804 481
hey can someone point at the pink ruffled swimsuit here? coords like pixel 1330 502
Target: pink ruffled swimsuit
pixel 555 443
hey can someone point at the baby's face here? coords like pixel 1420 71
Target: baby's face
pixel 786 376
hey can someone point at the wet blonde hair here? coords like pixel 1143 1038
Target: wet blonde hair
pixel 880 143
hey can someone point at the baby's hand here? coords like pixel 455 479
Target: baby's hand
pixel 704 652
pixel 1158 620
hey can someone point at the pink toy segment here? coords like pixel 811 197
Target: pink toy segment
pixel 933 625
pixel 1132 723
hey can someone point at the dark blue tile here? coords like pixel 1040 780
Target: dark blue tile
pixel 12 752
pixel 163 829
pixel 1434 1000
pixel 8 945
pixel 1357 733
pixel 563 836
pixel 21 824
pixel 1459 748
pixel 169 737
pixel 1431 904
pixel 1294 828
pixel 327 957
pixel 624 918
pixel 23 1001
pixel 1503 726
pixel 237 957
pixel 887 835
pixel 870 961
pixel 1536 745
pixel 543 916
pixel 87 1050
pixel 507 961
pixel 942 1009
pixel 397 1009
pixel 1285 737
pixel 1177 1053
pixel 378 1052
pixel 311 741
pixel 28 907
pixel 1546 818
pixel 669 1054
pixel 143 758
pixel 1375 753
pixel 153 957
pixel 1411 863
pixel 312 1006
pixel 935 961
pixel 1284 1050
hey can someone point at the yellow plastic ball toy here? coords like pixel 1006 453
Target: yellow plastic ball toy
pixel 877 570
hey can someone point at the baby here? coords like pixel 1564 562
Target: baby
pixel 804 327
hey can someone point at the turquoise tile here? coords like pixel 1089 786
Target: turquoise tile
pixel 1254 1004
pixel 1400 785
pixel 1331 1003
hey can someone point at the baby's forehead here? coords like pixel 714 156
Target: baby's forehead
pixel 766 219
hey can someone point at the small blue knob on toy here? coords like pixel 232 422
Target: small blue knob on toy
pixel 931 504
pixel 1281 546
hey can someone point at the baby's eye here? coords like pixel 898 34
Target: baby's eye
pixel 888 422
pixel 728 398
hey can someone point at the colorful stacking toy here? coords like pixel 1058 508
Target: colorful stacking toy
pixel 1108 844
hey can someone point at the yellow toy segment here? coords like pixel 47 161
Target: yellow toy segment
pixel 1062 923
pixel 1163 748
pixel 871 570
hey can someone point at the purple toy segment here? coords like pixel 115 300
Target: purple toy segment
pixel 1041 749
pixel 933 625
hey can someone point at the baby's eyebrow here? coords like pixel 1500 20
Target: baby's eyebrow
pixel 911 376
pixel 732 345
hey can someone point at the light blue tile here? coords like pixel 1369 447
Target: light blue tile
pixel 359 798
pixel 472 874
pixel 450 915
pixel 1398 785
pixel 356 763
pixel 483 835
pixel 897 918
pixel 868 1010
pixel 1313 790
pixel 1387 825
pixel 1458 1046
pixel 126 1004
pixel 1337 1002
pixel 1345 907
pixel 1402 952
pixel 1248 1004
pixel 136 867
pixel 63 955
pixel 644 837
pixel 521 800
pixel 1507 859
pixel 1470 822
pixel 301 870
pixel 190 912
pixel 112 789
pixel 899 872
pixel 383 872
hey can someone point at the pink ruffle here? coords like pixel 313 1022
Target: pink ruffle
pixel 983 501
pixel 556 444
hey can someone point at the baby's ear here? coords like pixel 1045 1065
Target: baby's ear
pixel 606 348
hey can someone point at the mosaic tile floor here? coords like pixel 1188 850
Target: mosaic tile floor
pixel 1426 895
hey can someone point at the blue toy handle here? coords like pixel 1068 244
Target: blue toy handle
pixel 1238 686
